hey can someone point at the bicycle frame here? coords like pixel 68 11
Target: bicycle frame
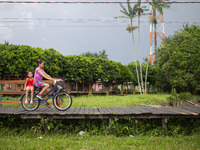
pixel 51 95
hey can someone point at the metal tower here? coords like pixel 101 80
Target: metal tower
pixel 160 32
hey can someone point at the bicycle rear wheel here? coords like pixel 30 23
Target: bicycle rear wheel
pixel 62 101
pixel 28 106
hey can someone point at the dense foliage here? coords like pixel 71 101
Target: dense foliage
pixel 19 59
pixel 178 60
pixel 176 66
pixel 120 127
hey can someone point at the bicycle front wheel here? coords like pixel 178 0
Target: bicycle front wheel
pixel 62 101
pixel 28 106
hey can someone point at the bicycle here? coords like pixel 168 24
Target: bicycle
pixel 61 99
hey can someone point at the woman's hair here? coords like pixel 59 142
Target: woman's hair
pixel 39 61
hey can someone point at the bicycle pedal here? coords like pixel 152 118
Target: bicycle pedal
pixel 43 103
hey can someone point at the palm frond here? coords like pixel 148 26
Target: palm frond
pixel 124 11
pixel 129 7
pixel 131 28
pixel 121 17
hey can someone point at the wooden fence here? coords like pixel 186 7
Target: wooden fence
pixel 15 87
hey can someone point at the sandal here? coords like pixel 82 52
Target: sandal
pixel 31 102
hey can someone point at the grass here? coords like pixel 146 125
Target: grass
pixel 86 142
pixel 117 101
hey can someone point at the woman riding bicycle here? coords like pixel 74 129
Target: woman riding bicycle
pixel 39 74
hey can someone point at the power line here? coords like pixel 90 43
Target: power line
pixel 26 20
pixel 66 2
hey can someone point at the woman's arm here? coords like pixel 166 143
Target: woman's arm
pixel 25 83
pixel 44 75
pixel 48 75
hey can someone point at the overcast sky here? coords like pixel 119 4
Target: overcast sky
pixel 72 29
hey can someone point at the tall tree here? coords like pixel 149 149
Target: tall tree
pixel 131 13
pixel 140 11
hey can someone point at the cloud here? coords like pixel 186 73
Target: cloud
pixel 28 16
pixel 5 32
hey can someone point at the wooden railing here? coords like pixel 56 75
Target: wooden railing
pixel 14 91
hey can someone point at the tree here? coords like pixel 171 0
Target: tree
pixel 100 54
pixel 178 58
pixel 140 11
pixel 131 14
pixel 125 75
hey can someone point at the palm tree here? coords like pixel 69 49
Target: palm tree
pixel 131 14
pixel 102 54
pixel 140 11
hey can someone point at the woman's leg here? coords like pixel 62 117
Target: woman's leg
pixel 44 88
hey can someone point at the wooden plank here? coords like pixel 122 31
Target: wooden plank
pixel 77 109
pixel 91 111
pixel 164 110
pixel 109 110
pixel 121 110
pixel 126 110
pixel 157 111
pixel 86 111
pixel 116 111
pixel 101 110
pixel 96 111
pixel 70 110
pixel 195 109
pixel 104 112
pixel 12 92
pixel 132 111
pixel 140 110
pixel 81 111
pixel 185 111
pixel 10 102
pixel 4 109
pixel 175 111
pixel 21 81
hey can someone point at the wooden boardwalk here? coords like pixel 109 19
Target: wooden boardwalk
pixel 105 112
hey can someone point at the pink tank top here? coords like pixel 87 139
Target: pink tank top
pixel 37 75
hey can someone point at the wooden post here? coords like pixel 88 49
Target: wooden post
pixel 45 123
pixel 122 89
pixel 110 123
pixel 68 86
pixel 107 90
pixel 90 88
pixel 77 86
pixel 136 122
pixel 164 124
pixel 83 86
pixel 0 94
pixel 133 89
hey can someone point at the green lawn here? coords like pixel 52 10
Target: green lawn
pixel 117 101
pixel 74 142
